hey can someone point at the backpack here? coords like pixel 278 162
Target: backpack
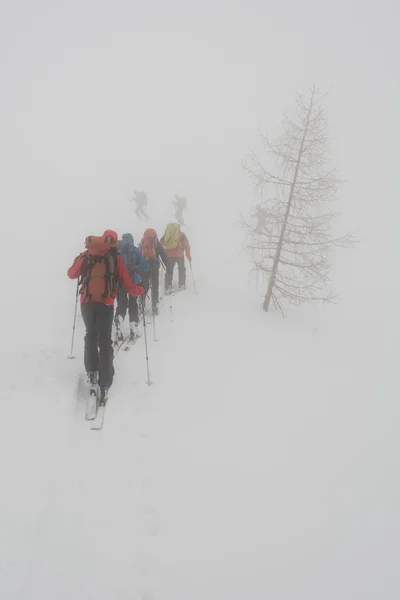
pixel 171 236
pixel 126 249
pixel 141 198
pixel 99 270
pixel 148 244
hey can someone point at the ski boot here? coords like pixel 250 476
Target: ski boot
pixel 119 336
pixel 91 409
pixel 133 331
pixel 103 396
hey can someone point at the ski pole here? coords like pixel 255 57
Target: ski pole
pixel 151 275
pixel 170 307
pixel 154 326
pixel 74 323
pixel 194 283
pixel 145 343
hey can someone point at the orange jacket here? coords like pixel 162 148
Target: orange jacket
pixel 182 248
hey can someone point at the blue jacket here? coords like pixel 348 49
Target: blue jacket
pixel 132 257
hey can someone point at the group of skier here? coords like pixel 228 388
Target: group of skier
pixel 141 200
pixel 111 269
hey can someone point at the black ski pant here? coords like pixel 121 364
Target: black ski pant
pixel 127 302
pixel 170 271
pixel 141 212
pixel 151 280
pixel 99 354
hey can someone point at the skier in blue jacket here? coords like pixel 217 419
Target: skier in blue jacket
pixel 136 264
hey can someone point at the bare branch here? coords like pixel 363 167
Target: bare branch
pixel 291 241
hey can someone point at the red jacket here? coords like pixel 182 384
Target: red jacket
pixel 182 248
pixel 75 271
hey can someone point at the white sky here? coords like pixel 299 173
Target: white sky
pixel 175 91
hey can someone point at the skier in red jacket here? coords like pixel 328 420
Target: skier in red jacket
pixel 101 268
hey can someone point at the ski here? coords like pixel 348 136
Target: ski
pixel 92 398
pixel 126 339
pixel 120 343
pixel 91 408
pixel 131 342
pixel 97 423
pixel 174 291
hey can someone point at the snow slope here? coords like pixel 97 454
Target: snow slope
pixel 255 466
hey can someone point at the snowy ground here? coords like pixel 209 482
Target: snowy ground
pixel 255 466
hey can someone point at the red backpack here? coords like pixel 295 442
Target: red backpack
pixel 99 270
pixel 148 244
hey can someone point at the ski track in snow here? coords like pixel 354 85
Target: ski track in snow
pixel 226 474
pixel 100 480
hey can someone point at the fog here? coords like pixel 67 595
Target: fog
pixel 101 98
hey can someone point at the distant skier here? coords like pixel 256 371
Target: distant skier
pixel 180 203
pixel 176 246
pixel 141 201
pixel 153 252
pixel 100 269
pixel 136 266
pixel 261 216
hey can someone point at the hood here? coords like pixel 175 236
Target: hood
pixel 111 233
pixel 150 233
pixel 126 243
pixel 128 237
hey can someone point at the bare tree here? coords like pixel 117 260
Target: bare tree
pixel 292 240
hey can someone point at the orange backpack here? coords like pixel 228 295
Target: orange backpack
pixel 148 244
pixel 99 270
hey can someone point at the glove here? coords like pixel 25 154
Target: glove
pixel 140 290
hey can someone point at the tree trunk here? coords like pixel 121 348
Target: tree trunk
pixel 277 256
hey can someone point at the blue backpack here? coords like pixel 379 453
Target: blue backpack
pixel 132 257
